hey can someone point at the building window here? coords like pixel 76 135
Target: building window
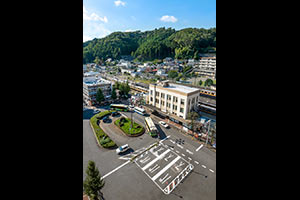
pixel 151 99
pixel 182 102
pixel 162 95
pixel 162 103
pixel 181 110
pixel 157 94
pixel 151 92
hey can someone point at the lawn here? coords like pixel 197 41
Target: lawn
pixel 103 139
pixel 136 130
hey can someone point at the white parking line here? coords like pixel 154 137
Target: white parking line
pixel 211 170
pixel 115 169
pixel 182 154
pixel 189 158
pixel 156 159
pixel 203 166
pixel 180 146
pixel 177 151
pixel 165 168
pixel 172 141
pixel 196 162
pixel 199 147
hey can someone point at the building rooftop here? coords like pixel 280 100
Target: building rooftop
pixel 94 81
pixel 177 88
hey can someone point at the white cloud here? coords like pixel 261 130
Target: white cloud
pixel 93 29
pixel 119 3
pixel 130 30
pixel 93 16
pixel 167 18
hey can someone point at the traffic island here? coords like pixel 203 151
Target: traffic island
pixel 125 125
pixel 102 138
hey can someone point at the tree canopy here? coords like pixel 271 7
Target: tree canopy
pixel 151 45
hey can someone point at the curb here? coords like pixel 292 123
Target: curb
pixel 95 135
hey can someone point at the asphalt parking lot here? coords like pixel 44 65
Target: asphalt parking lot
pixel 146 178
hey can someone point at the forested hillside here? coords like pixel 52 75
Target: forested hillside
pixel 150 45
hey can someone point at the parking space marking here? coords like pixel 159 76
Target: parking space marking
pixel 211 170
pixel 180 146
pixel 199 147
pixel 156 159
pixel 172 141
pixel 165 168
pixel 196 162
pixel 189 158
pixel 182 154
pixel 177 151
pixel 203 166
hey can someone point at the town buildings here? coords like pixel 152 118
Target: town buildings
pixel 91 85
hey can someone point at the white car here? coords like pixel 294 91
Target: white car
pixel 122 149
pixel 96 111
pixel 164 124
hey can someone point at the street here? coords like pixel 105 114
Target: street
pixel 119 173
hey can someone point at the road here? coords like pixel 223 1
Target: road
pixel 118 172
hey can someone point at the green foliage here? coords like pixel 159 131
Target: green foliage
pixel 172 74
pixel 99 95
pixel 150 45
pixel 125 125
pixel 208 82
pixel 113 94
pixel 200 82
pixel 93 182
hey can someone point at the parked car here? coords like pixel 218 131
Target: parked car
pixel 122 148
pixel 164 124
pixel 114 114
pixel 105 119
pixel 96 111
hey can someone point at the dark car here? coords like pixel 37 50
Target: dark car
pixel 105 119
pixel 114 114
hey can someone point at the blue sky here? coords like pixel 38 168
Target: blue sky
pixel 102 17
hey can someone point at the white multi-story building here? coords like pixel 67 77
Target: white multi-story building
pixel 91 73
pixel 173 99
pixel 207 67
pixel 90 88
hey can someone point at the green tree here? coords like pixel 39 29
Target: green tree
pixel 208 82
pixel 200 82
pixel 99 96
pixel 113 94
pixel 97 60
pixel 93 183
pixel 193 116
pixel 172 74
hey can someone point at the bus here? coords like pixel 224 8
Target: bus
pixel 119 107
pixel 140 111
pixel 150 126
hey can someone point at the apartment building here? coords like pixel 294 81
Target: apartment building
pixel 90 87
pixel 173 99
pixel 207 67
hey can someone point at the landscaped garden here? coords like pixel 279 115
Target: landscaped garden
pixel 102 138
pixel 125 125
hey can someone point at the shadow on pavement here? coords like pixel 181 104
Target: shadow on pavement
pixel 205 176
pixel 87 114
pixel 161 133
pixel 129 151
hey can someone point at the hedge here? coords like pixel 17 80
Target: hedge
pixel 125 126
pixel 102 137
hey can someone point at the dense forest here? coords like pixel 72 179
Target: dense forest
pixel 150 45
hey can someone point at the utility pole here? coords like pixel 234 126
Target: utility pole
pixel 207 132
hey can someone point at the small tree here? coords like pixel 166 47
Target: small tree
pixel 200 82
pixel 99 96
pixel 193 116
pixel 113 94
pixel 93 183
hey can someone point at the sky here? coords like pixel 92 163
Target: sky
pixel 102 17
